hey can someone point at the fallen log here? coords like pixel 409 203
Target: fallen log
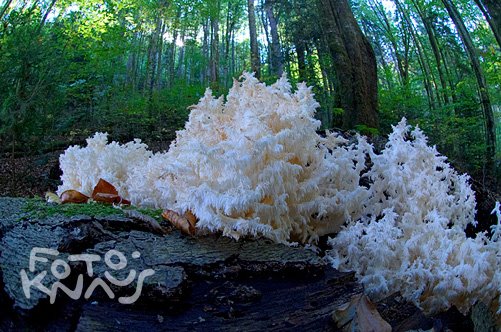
pixel 198 283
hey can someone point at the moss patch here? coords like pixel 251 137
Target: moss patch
pixel 37 208
pixel 154 213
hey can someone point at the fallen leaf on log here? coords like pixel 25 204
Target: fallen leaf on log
pixel 185 223
pixel 104 187
pixel 110 199
pixel 192 219
pixel 73 196
pixel 360 314
pixel 105 192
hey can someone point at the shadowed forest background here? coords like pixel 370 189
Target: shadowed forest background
pixel 132 68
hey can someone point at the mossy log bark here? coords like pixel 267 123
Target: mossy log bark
pixel 202 283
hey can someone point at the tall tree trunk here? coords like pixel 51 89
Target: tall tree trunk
pixel 438 58
pixel 255 60
pixel 233 56
pixel 490 127
pixel 180 59
pixel 276 54
pixel 214 53
pixel 492 13
pixel 158 78
pixel 230 25
pixel 301 59
pixel 47 12
pixel 422 59
pixel 383 19
pixel 131 62
pixel 172 58
pixel 430 31
pixel 205 48
pixel 151 67
pixel 5 8
pixel 449 78
pixel 264 21
pixel 354 63
pixel 311 72
pixel 171 70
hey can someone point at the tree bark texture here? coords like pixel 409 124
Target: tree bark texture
pixel 276 53
pixel 492 12
pixel 354 64
pixel 255 59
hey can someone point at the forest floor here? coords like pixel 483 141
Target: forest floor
pixel 29 176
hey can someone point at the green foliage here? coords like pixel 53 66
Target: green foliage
pixel 367 131
pixel 115 67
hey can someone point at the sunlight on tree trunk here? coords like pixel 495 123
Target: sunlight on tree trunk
pixel 255 59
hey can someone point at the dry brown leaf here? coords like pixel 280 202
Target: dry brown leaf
pixel 360 314
pixel 192 219
pixel 104 187
pixel 105 192
pixel 106 198
pixel 181 222
pixel 73 196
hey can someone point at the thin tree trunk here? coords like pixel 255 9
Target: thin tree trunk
pixel 264 21
pixel 449 78
pixel 421 57
pixel 205 48
pixel 180 60
pixel 311 73
pixel 47 12
pixel 152 61
pixel 383 19
pixel 158 78
pixel 438 58
pixel 301 59
pixel 233 64
pixel 492 13
pixel 172 58
pixel 490 126
pixel 137 64
pixel 214 54
pixel 276 54
pixel 255 59
pixel 434 47
pixel 5 8
pixel 230 24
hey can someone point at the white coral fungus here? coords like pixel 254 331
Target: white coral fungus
pixel 254 165
pixel 412 236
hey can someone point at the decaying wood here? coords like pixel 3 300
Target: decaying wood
pixel 200 283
